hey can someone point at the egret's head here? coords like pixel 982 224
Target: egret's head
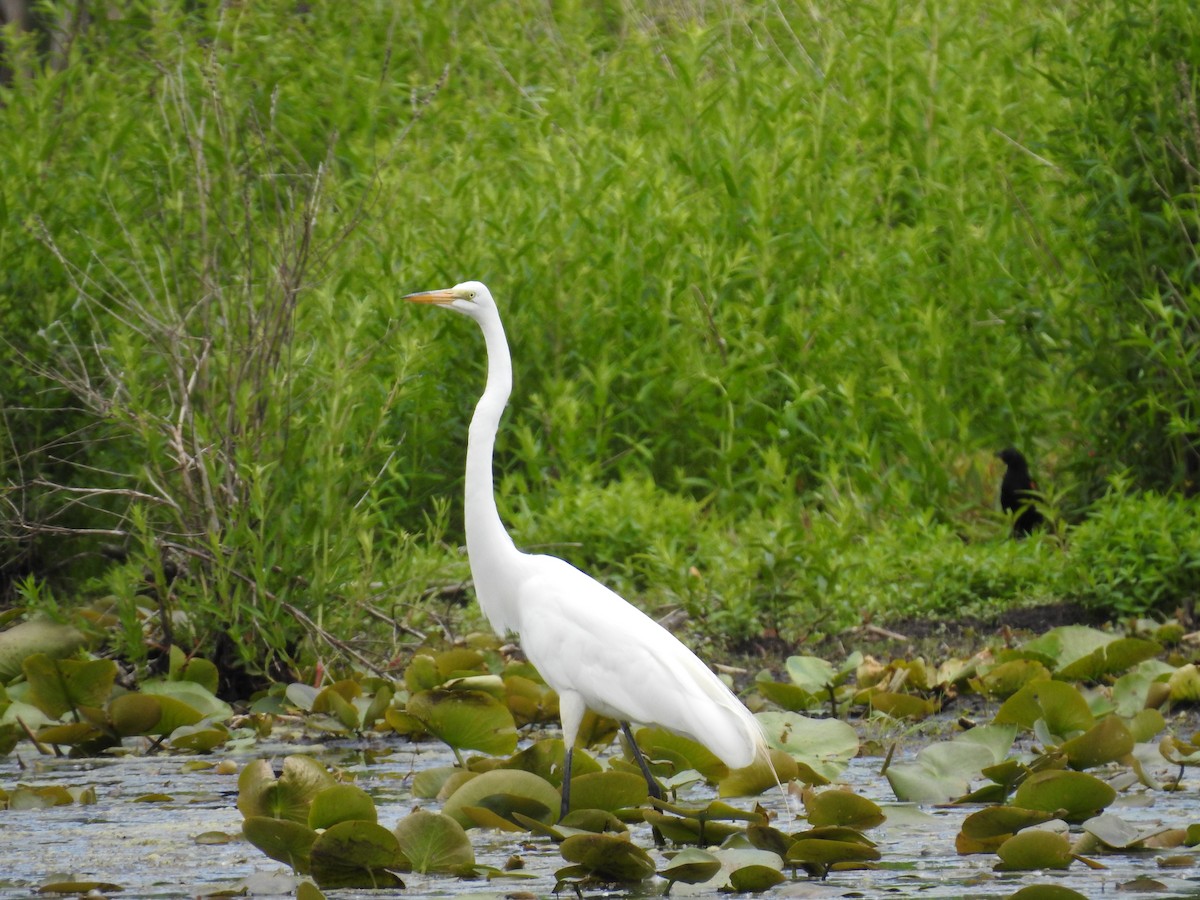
pixel 469 298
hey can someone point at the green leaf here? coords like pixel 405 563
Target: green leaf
pixel 356 854
pixel 608 857
pixel 1058 704
pixel 842 807
pixel 691 866
pixel 608 791
pixel 1106 741
pixel 281 839
pixel 340 803
pixel 57 686
pixel 504 791
pixel 1071 795
pixel 466 720
pixel 434 842
pixel 1034 849
pixel 826 745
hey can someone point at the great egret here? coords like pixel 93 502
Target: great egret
pixel 596 650
pixel 1018 492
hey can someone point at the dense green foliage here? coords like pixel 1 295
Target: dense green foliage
pixel 778 281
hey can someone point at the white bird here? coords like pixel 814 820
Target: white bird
pixel 593 648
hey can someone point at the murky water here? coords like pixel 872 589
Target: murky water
pixel 150 849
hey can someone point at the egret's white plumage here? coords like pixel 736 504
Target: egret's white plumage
pixel 596 650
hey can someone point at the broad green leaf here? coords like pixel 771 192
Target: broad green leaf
pixel 608 791
pixel 194 695
pixel 1074 796
pixel 608 857
pixel 1106 741
pixel 511 789
pixel 826 745
pixel 356 854
pixel 1060 705
pixel 1034 849
pixel 340 803
pixel 57 686
pixel 658 743
pixel 691 866
pixel 260 793
pixel 287 841
pixel 1109 659
pixel 842 807
pixel 466 720
pixel 37 637
pixel 434 842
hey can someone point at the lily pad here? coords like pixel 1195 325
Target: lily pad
pixel 434 842
pixel 1046 892
pixel 466 720
pixel 1074 796
pixel 340 803
pixel 356 854
pixel 608 791
pixel 195 669
pixel 1058 704
pixel 691 866
pixel 505 791
pixel 608 857
pixel 944 771
pixel 1107 740
pixel 1110 658
pixel 289 796
pixel 825 745
pixel 57 686
pixel 281 839
pixel 842 807
pixel 658 743
pixel 1034 849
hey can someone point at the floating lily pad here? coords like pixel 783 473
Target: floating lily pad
pixel 943 771
pixel 195 669
pixel 691 866
pixel 998 821
pixel 1046 892
pixel 608 791
pixel 1034 849
pixel 36 637
pixel 1058 704
pixel 504 791
pixel 201 737
pixel 356 854
pixel 1115 656
pixel 1006 678
pixel 842 807
pixel 57 686
pixel 825 852
pixel 340 803
pixel 825 745
pixel 754 878
pixel 762 775
pixel 1107 740
pixel 899 705
pixel 191 694
pixel 466 720
pixel 608 857
pixel 1074 796
pixel 281 839
pixel 260 793
pixel 658 743
pixel 434 842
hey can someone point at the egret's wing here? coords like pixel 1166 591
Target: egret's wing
pixel 585 638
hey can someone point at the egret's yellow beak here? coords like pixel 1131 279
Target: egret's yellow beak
pixel 440 298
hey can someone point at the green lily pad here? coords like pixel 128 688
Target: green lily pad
pixel 466 720
pixel 690 830
pixel 195 669
pixel 333 702
pixel 1107 740
pixel 1109 659
pixel 658 743
pixel 147 714
pixel 608 791
pixel 900 706
pixel 1074 796
pixel 191 694
pixel 825 852
pixel 1034 849
pixel 944 771
pixel 754 878
pixel 1184 684
pixel 691 866
pixel 340 803
pixel 260 793
pixel 608 857
pixel 201 737
pixel 57 686
pixel 1000 821
pixel 434 842
pixel 1058 704
pixel 511 790
pixel 71 734
pixel 37 637
pixel 825 745
pixel 788 696
pixel 356 854
pixel 1118 834
pixel 1046 892
pixel 281 839
pixel 762 775
pixel 1006 678
pixel 842 807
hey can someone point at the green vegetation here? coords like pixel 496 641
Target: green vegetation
pixel 778 280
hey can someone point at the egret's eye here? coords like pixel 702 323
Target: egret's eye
pixel 471 296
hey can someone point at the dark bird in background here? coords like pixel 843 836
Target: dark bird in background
pixel 1019 492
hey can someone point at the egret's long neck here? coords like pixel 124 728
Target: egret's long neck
pixel 490 550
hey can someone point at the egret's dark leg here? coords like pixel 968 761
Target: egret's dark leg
pixel 566 784
pixel 655 791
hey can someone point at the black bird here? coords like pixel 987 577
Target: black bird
pixel 1019 492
